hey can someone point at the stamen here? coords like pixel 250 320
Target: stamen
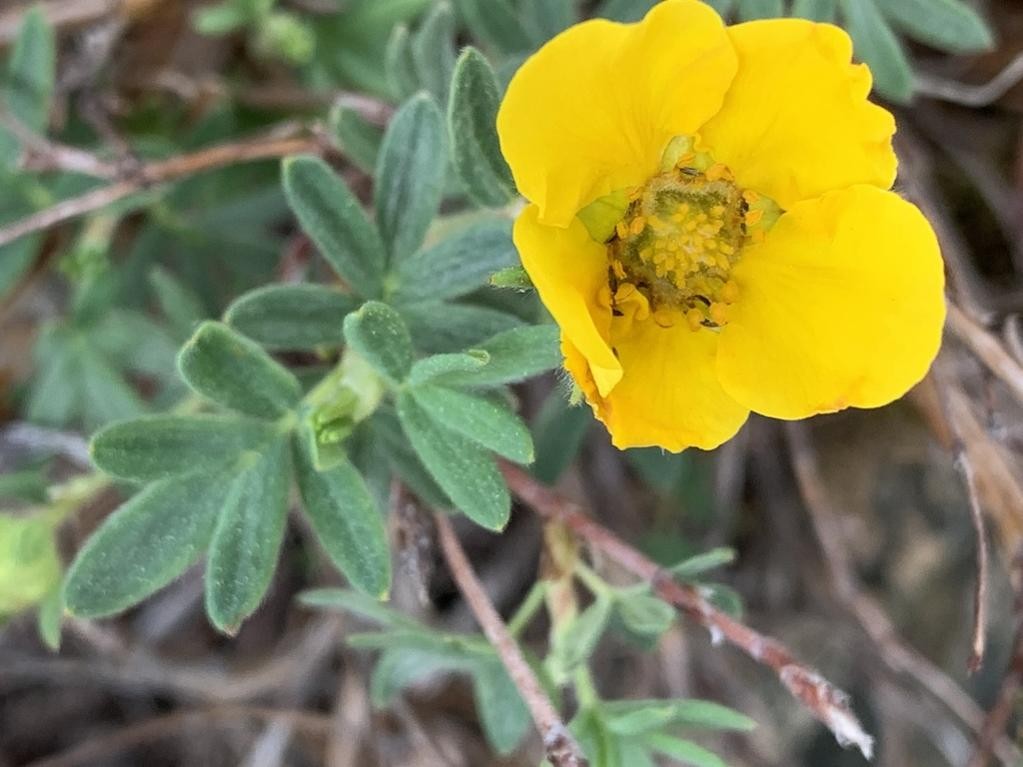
pixel 671 255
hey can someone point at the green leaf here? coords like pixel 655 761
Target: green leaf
pixel 379 335
pixel 17 257
pixel 439 327
pixel 467 648
pixel 441 364
pixel 543 19
pixel 235 372
pixel 218 20
pixel 346 521
pixel 558 433
pixel 387 432
pixel 502 713
pixel 356 137
pixel 694 567
pixel 878 46
pixel 725 598
pixel 750 10
pixel 358 603
pixel 333 218
pixel 301 316
pixel 597 743
pixel 486 422
pixel 356 38
pixel 26 485
pixel 515 355
pixel 628 10
pixel 816 10
pixel 182 307
pixel 703 713
pixel 399 67
pixel 31 73
pixel 50 618
pixel 467 474
pixel 286 36
pixel 247 538
pixel 514 277
pixel 634 754
pixel 950 25
pixel 660 470
pixel 410 176
pixel 645 615
pixel 458 265
pixel 497 23
pixel 576 643
pixel 161 446
pixel 397 669
pixel 472 124
pixel 29 564
pixel 131 341
pixel 632 717
pixel 55 396
pixel 433 51
pixel 105 394
pixel 144 545
pixel 683 751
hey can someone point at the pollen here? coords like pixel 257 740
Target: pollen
pixel 682 234
pixel 719 172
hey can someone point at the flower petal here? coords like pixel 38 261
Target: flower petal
pixel 593 109
pixel 796 122
pixel 569 269
pixel 669 395
pixel 841 305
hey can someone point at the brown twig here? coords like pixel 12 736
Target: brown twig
pixel 980 599
pixel 100 750
pixel 972 95
pixel 41 154
pixel 988 349
pixel 561 748
pixel 142 671
pixel 59 13
pixel 290 139
pixel 895 652
pixel 962 460
pixel 998 717
pixel 827 703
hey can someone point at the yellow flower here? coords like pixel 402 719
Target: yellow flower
pixel 710 224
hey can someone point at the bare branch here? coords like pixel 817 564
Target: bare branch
pixel 988 349
pixel 972 95
pixel 900 657
pixel 562 749
pixel 40 154
pixel 102 749
pixel 943 386
pixel 826 702
pixel 278 143
pixel 998 717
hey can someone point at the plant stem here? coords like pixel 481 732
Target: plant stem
pixel 559 745
pixel 597 585
pixel 826 702
pixel 295 140
pixel 528 609
pixel 585 688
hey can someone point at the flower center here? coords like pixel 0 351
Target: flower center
pixel 672 253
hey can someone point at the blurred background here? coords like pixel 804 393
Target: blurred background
pixel 853 534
